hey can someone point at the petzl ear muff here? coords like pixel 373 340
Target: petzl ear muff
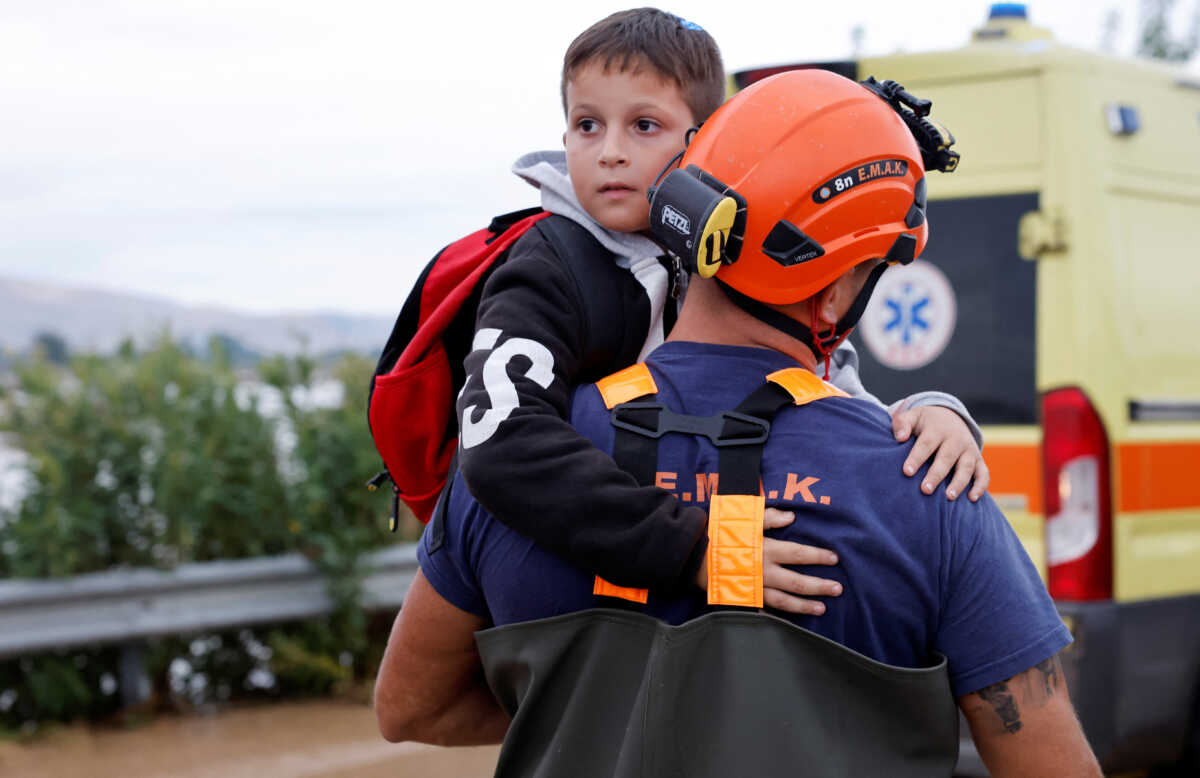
pixel 698 219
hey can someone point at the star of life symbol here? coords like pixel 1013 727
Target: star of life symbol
pixel 911 316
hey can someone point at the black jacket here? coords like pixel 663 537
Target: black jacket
pixel 546 323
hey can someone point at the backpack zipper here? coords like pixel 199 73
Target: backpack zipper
pixel 377 481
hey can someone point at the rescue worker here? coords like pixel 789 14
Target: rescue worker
pixel 499 639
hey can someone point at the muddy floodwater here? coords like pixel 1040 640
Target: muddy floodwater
pixel 315 740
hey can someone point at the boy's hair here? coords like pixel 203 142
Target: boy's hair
pixel 674 48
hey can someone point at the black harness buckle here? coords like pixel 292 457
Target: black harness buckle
pixel 653 420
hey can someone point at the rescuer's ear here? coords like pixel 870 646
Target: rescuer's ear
pixel 835 300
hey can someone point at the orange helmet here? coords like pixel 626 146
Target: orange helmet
pixel 823 172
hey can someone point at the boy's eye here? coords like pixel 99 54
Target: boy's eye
pixel 646 125
pixel 587 125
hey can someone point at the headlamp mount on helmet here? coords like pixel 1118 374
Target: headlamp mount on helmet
pixel 932 138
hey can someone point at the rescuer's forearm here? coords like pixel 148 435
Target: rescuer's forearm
pixel 1025 726
pixel 431 687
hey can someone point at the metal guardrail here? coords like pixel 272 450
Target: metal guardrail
pixel 124 606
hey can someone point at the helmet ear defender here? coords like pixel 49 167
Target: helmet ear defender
pixel 698 219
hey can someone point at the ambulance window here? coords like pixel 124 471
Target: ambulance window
pixel 961 319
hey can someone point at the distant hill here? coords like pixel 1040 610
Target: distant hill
pixel 97 320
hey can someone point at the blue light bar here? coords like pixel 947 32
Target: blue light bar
pixel 1008 11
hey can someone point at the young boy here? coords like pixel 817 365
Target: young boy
pixel 633 85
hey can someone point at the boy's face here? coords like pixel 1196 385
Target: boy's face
pixel 623 127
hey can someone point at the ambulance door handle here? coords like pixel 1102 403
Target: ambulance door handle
pixel 1041 232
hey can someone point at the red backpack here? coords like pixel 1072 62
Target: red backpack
pixel 410 407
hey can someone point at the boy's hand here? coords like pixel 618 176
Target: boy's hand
pixel 942 430
pixel 780 585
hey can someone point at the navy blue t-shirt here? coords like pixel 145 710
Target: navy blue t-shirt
pixel 921 574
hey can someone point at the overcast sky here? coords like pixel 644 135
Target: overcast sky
pixel 297 155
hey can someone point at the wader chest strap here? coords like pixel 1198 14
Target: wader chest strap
pixel 632 383
pixel 735 519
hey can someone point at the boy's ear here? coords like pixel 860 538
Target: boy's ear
pixel 564 140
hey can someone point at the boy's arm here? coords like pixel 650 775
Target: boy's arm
pixel 529 467
pixel 944 428
pixel 844 375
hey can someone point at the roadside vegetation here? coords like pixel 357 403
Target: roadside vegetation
pixel 158 457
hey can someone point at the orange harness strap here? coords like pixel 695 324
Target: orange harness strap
pixel 628 384
pixel 735 521
pixel 735 548
pixel 625 385
pixel 803 385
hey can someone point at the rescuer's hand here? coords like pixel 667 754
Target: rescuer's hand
pixel 942 431
pixel 781 585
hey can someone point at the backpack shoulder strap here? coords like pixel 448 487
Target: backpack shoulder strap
pixel 577 247
pixel 606 291
pixel 502 222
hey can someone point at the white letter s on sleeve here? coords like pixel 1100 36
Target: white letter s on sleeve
pixel 502 394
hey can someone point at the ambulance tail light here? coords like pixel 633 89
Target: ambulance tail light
pixel 1078 497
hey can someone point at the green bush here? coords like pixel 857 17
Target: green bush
pixel 157 458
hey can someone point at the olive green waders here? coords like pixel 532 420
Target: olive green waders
pixel 619 694
pixel 614 694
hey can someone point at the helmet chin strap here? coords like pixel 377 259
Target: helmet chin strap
pixel 822 343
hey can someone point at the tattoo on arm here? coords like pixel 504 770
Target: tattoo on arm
pixel 1001 699
pixel 1034 687
pixel 1051 674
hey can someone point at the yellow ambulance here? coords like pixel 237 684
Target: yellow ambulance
pixel 1059 298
